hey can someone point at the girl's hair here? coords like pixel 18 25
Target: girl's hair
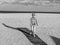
pixel 33 14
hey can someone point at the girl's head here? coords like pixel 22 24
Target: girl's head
pixel 33 14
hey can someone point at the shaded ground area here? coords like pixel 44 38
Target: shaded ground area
pixel 34 40
pixel 56 40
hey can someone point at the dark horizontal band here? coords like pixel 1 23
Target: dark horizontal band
pixel 28 12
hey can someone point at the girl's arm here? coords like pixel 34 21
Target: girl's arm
pixel 36 22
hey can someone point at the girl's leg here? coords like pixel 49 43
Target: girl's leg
pixel 33 31
pixel 31 28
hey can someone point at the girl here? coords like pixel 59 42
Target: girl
pixel 33 24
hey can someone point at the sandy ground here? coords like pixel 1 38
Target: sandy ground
pixel 10 36
pixel 49 24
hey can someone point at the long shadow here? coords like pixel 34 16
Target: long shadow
pixel 56 40
pixel 34 40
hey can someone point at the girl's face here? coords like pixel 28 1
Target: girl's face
pixel 33 15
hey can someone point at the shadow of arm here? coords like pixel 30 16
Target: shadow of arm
pixel 24 30
pixel 8 26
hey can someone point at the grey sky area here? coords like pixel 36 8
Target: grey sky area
pixel 48 24
pixel 17 5
pixel 30 7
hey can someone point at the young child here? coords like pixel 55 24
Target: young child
pixel 33 24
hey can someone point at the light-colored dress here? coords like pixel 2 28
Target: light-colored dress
pixel 33 24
